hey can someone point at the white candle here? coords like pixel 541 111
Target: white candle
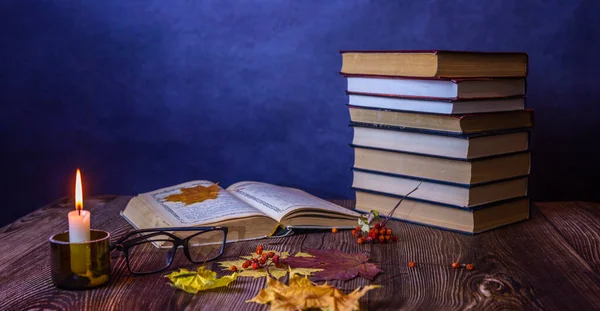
pixel 79 231
pixel 79 226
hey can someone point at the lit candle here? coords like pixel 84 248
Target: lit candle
pixel 79 230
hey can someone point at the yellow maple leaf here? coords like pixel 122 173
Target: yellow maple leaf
pixel 302 294
pixel 202 279
pixel 195 194
pixel 262 272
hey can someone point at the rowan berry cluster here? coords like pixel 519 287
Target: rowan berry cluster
pixel 377 234
pixel 260 261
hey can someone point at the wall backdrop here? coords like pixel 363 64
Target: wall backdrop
pixel 146 94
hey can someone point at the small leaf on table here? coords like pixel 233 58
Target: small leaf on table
pixel 262 272
pixel 193 282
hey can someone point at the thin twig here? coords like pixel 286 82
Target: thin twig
pixel 286 281
pixel 395 207
pixel 389 279
pixel 269 272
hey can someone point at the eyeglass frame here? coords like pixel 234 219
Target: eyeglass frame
pixel 123 245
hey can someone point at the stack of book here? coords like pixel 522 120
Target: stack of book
pixel 454 123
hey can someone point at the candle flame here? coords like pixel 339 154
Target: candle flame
pixel 78 192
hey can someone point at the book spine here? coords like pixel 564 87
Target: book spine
pixel 427 225
pixel 444 157
pixel 437 99
pixel 408 111
pixel 464 208
pixel 453 230
pixel 437 133
pixel 435 181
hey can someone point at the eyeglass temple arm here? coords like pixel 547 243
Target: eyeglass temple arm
pixel 159 231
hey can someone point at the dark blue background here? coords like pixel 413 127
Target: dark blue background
pixel 146 94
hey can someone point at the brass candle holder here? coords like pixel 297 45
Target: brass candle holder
pixel 80 265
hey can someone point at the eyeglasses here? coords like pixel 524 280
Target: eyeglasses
pixel 152 250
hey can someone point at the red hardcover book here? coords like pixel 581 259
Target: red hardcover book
pixel 435 63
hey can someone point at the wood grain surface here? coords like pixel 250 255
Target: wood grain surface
pixel 550 262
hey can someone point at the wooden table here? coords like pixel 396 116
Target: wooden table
pixel 550 262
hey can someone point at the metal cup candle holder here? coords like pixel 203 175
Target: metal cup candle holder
pixel 80 265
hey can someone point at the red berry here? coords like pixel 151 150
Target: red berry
pixel 264 255
pixel 394 238
pixel 389 231
pixel 360 241
pixel 254 265
pixel 357 228
pixel 377 226
pixel 259 249
pixel 381 238
pixel 334 230
pixel 262 261
pixel 233 268
pixel 276 259
pixel 246 264
pixel 455 265
pixel 271 254
pixel 277 265
pixel 382 231
pixel 470 266
pixel 411 264
pixel 387 237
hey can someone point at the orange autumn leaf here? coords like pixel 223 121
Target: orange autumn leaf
pixel 194 194
pixel 302 294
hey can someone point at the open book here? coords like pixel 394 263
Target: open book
pixel 250 210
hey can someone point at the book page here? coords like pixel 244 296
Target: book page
pixel 224 207
pixel 277 201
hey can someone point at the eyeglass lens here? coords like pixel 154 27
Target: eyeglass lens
pixel 205 246
pixel 150 254
pixel 155 251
